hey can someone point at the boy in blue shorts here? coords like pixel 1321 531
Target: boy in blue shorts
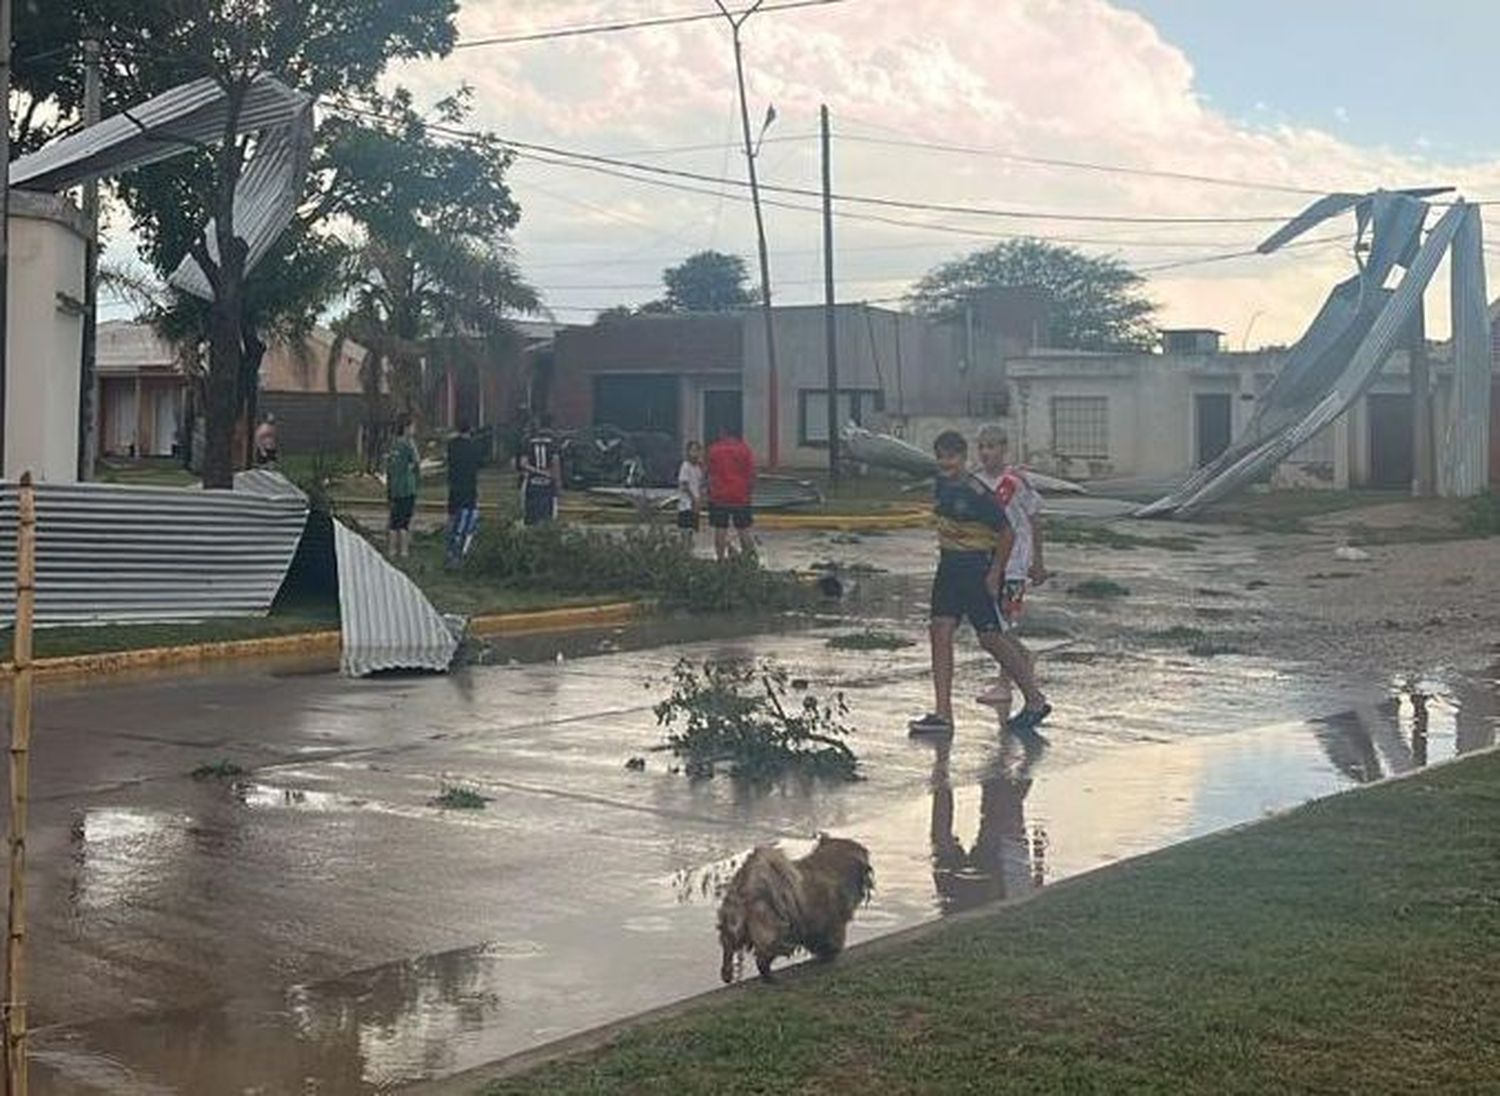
pixel 974 543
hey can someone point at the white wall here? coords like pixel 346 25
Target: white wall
pixel 44 339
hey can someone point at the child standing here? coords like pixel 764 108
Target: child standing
pixel 690 491
pixel 1024 566
pixel 974 542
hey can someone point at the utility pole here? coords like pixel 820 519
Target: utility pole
pixel 829 309
pixel 88 374
pixel 773 390
pixel 1424 453
pixel 5 6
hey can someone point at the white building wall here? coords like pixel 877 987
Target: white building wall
pixel 44 338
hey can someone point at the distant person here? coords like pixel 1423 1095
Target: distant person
pixel 690 477
pixel 731 485
pixel 463 493
pixel 403 473
pixel 974 542
pixel 541 474
pixel 1023 506
pixel 265 441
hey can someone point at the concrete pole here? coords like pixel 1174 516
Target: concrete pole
pixel 88 436
pixel 829 308
pixel 1424 452
pixel 773 390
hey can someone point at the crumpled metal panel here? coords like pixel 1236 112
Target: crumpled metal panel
pixel 1322 359
pixel 1385 335
pixel 1465 468
pixel 184 117
pixel 111 554
pixel 386 621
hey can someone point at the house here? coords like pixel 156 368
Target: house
pixel 684 375
pixel 1153 416
pixel 142 391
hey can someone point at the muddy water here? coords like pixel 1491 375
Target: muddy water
pixel 318 925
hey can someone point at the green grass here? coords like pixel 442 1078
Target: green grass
pixel 1178 633
pixel 218 770
pixel 1097 535
pixel 870 640
pixel 1099 588
pixel 109 638
pixel 1287 511
pixel 1345 947
pixel 458 797
pixel 153 472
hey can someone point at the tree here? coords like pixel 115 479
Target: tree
pixel 709 281
pixel 432 280
pixel 1097 302
pixel 333 49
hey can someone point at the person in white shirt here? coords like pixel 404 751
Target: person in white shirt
pixel 690 492
pixel 1024 567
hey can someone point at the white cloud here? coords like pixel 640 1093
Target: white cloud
pixel 1076 79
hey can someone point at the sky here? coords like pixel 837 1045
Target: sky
pixel 1273 101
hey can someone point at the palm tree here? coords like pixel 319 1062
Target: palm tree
pixel 440 304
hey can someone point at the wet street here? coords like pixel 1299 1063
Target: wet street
pixel 319 925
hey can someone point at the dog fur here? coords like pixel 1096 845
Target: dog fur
pixel 775 905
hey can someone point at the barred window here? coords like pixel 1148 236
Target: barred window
pixel 1080 427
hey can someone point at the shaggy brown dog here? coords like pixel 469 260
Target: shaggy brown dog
pixel 775 905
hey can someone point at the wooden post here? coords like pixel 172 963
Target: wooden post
pixel 20 759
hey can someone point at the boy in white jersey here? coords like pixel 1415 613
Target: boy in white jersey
pixel 1022 507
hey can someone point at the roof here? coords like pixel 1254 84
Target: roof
pixel 125 347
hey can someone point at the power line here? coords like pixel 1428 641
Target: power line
pixel 859 199
pixel 634 24
pixel 1083 165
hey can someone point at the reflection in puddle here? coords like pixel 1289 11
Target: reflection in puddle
pixel 124 855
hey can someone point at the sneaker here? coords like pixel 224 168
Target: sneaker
pixel 931 723
pixel 1029 719
pixel 996 695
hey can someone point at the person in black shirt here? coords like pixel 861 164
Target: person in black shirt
pixel 463 492
pixel 541 475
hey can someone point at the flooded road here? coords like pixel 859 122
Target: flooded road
pixel 314 923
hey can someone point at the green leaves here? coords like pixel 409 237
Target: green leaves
pixel 1097 302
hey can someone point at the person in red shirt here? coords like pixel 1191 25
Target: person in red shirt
pixel 731 481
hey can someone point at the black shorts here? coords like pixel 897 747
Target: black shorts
pixel 401 512
pixel 688 519
pixel 958 590
pixel 538 501
pixel 720 517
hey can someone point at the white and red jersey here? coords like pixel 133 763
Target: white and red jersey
pixel 1013 491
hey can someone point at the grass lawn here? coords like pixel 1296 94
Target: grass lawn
pixel 1346 947
pixel 108 638
pixel 1286 511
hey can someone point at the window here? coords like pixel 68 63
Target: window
pixel 1080 427
pixel 856 405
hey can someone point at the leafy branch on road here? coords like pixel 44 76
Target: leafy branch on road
pixel 755 720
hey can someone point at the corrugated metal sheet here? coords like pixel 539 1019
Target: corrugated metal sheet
pixel 387 622
pixel 189 115
pixel 1360 372
pixel 114 554
pixel 1465 467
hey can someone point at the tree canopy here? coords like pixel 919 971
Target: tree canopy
pixel 1097 302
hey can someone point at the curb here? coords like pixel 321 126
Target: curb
pixel 113 663
pixel 309 644
pixel 557 620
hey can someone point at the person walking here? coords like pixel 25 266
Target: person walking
pixel 463 493
pixel 265 441
pixel 541 475
pixel 690 477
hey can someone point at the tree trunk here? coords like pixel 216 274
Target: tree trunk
pixel 227 277
pixel 252 352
